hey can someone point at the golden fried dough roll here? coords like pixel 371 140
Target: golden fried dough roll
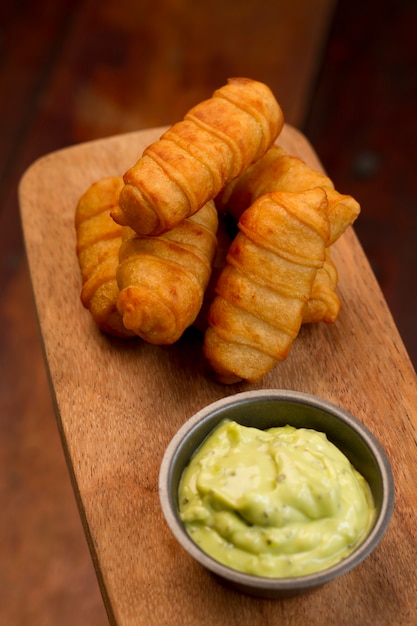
pixel 280 171
pixel 98 243
pixel 323 304
pixel 263 289
pixel 162 279
pixel 196 157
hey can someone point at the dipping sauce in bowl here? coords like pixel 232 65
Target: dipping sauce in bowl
pixel 278 502
pixel 276 492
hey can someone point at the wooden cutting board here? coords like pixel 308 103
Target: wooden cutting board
pixel 119 403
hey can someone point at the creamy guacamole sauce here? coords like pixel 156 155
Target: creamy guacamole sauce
pixel 276 503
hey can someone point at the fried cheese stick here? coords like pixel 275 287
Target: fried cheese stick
pixel 162 279
pixel 196 157
pixel 262 291
pixel 98 243
pixel 280 171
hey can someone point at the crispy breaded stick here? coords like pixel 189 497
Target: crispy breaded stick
pixel 280 171
pixel 98 243
pixel 162 279
pixel 263 289
pixel 196 157
pixel 322 306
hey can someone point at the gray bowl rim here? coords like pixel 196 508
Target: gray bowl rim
pixel 259 583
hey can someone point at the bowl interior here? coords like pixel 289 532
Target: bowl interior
pixel 265 410
pixel 269 412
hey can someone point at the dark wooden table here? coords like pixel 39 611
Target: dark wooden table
pixel 72 72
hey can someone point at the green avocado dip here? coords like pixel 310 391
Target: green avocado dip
pixel 281 502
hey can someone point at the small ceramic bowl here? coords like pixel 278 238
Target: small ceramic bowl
pixel 265 409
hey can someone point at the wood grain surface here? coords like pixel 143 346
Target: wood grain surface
pixel 120 402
